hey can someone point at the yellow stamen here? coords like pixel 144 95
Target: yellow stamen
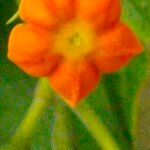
pixel 74 40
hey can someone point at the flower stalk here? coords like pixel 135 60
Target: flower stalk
pixel 43 94
pixel 96 127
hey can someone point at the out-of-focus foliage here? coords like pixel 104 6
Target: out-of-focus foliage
pixel 114 100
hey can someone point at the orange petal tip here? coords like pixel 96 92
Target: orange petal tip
pixel 74 81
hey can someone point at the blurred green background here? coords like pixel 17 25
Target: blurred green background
pixel 116 100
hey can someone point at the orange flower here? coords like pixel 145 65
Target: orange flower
pixel 72 42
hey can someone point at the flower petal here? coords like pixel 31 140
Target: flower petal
pixel 43 67
pixel 36 11
pixel 63 10
pixel 102 13
pixel 75 80
pixel 29 48
pixel 116 47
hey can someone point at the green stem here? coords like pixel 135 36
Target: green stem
pixel 98 129
pixel 42 95
pixel 13 18
pixel 61 131
pixel 18 1
pixel 41 100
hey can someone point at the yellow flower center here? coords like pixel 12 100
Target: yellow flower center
pixel 74 40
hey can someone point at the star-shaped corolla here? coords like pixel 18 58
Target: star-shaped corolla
pixel 72 42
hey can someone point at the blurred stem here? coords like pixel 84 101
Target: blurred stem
pixel 97 129
pixel 41 100
pixel 13 18
pixel 43 94
pixel 61 131
pixel 18 1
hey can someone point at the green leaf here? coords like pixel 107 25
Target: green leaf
pixel 137 14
